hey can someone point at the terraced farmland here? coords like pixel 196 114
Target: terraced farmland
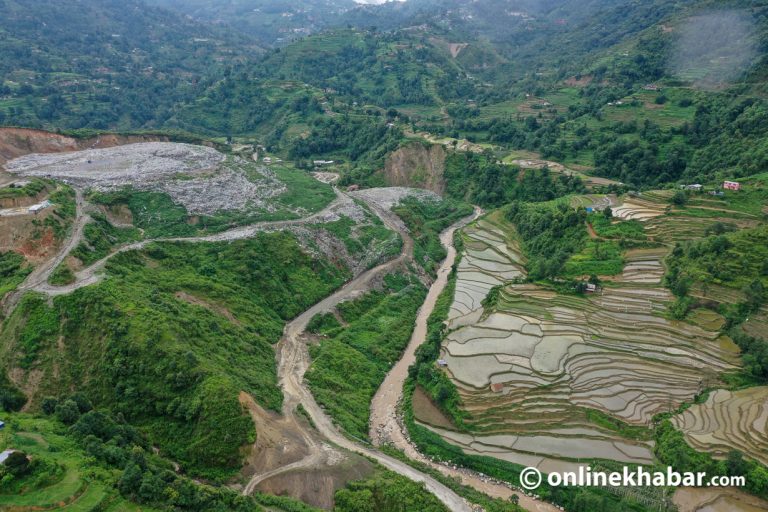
pixel 644 266
pixel 490 259
pixel 729 420
pixel 667 224
pixel 635 208
pixel 552 379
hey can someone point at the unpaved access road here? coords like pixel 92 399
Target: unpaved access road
pixel 39 276
pixel 292 352
pixel 293 361
pixel 385 425
pixel 38 279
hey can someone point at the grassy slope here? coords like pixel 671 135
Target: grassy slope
pixel 169 365
pixel 350 362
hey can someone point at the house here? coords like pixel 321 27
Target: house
pixel 2 425
pixel 590 209
pixel 322 162
pixel 731 185
pixel 39 207
pixel 442 363
pixel 717 193
pixel 267 159
pixel 497 387
pixel 591 288
pixel 651 87
pixel 353 188
pixel 696 187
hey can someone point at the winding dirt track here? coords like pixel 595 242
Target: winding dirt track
pixel 40 274
pixel 292 352
pixel 293 355
pixel 38 279
pixel 293 361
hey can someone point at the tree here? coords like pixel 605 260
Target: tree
pixel 680 198
pixel 49 405
pixel 68 412
pixel 131 480
pixel 735 463
pixel 755 294
pixel 17 463
pixel 355 501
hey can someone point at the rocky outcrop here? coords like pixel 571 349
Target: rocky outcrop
pixel 417 165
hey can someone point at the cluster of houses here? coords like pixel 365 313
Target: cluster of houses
pixel 727 185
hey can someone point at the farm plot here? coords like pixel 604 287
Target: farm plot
pixel 199 178
pixel 489 260
pixel 644 266
pixel 551 379
pixel 635 208
pixel 729 420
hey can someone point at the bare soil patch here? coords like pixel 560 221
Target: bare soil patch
pixel 317 487
pixel 427 412
pixel 278 442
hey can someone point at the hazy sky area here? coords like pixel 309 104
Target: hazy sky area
pixel 715 49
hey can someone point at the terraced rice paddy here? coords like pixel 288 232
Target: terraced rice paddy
pixel 644 266
pixel 729 420
pixel 489 260
pixel 668 225
pixel 635 208
pixel 552 379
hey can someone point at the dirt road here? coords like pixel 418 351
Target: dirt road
pixel 38 279
pixel 292 352
pixel 39 276
pixel 293 361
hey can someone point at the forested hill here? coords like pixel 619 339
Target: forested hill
pixel 271 22
pixel 103 63
pixel 642 92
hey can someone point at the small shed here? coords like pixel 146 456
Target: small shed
pixel 352 188
pixel 497 387
pixel 731 185
pixel 696 187
pixel 442 363
pixel 2 425
pixel 5 454
pixel 591 288
pixel 39 207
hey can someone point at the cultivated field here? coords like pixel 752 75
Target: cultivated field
pixel 551 379
pixel 729 420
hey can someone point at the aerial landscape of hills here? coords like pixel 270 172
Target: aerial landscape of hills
pixel 327 255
